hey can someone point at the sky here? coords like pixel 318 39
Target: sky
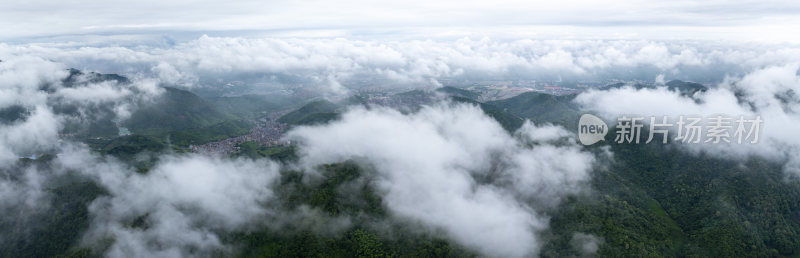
pixel 762 21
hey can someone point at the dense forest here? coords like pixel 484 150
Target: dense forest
pixel 646 201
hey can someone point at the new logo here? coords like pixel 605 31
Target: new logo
pixel 591 129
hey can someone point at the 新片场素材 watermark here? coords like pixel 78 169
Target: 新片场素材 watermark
pixel 687 129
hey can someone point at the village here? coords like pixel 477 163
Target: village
pixel 267 131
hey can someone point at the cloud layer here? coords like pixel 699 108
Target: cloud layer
pixel 334 65
pixel 183 202
pixel 432 166
pixel 448 167
pixel 770 93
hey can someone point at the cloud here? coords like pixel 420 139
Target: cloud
pixel 587 244
pixel 94 93
pixel 183 202
pixel 335 65
pixel 769 93
pixel 21 77
pixel 660 80
pixel 429 166
pixel 37 133
pixel 31 90
pixel 35 85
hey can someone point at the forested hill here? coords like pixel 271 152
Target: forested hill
pixel 541 107
pixel 648 200
pixel 656 200
pixel 174 110
pixel 322 111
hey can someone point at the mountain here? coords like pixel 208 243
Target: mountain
pixel 253 106
pixel 322 111
pixel 201 135
pixel 315 111
pixel 655 200
pixel 102 114
pixel 541 108
pixel 453 91
pixel 13 114
pixel 77 77
pixel 132 144
pixel 174 110
pixel 686 88
pixel 647 200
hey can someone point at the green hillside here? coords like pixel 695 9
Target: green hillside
pixel 175 110
pixel 453 91
pixel 310 113
pixel 657 201
pixel 224 130
pixel 686 88
pixel 253 106
pixel 541 107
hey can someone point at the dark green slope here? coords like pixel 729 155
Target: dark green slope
pixel 224 130
pixel 174 110
pixel 453 91
pixel 316 111
pixel 660 201
pixel 253 106
pixel 28 232
pixel 656 201
pixel 130 145
pixel 686 88
pixel 541 108
pixel 725 207
pixel 79 77
pixel 341 192
pixel 322 111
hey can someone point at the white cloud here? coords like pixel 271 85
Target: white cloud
pixel 428 164
pixel 659 81
pixel 185 202
pixel 39 132
pixel 769 93
pixel 94 93
pixel 587 244
pixel 21 77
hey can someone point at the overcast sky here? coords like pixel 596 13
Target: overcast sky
pixel 766 21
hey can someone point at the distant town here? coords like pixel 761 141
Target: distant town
pixel 267 131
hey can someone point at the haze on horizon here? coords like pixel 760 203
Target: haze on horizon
pixel 81 20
